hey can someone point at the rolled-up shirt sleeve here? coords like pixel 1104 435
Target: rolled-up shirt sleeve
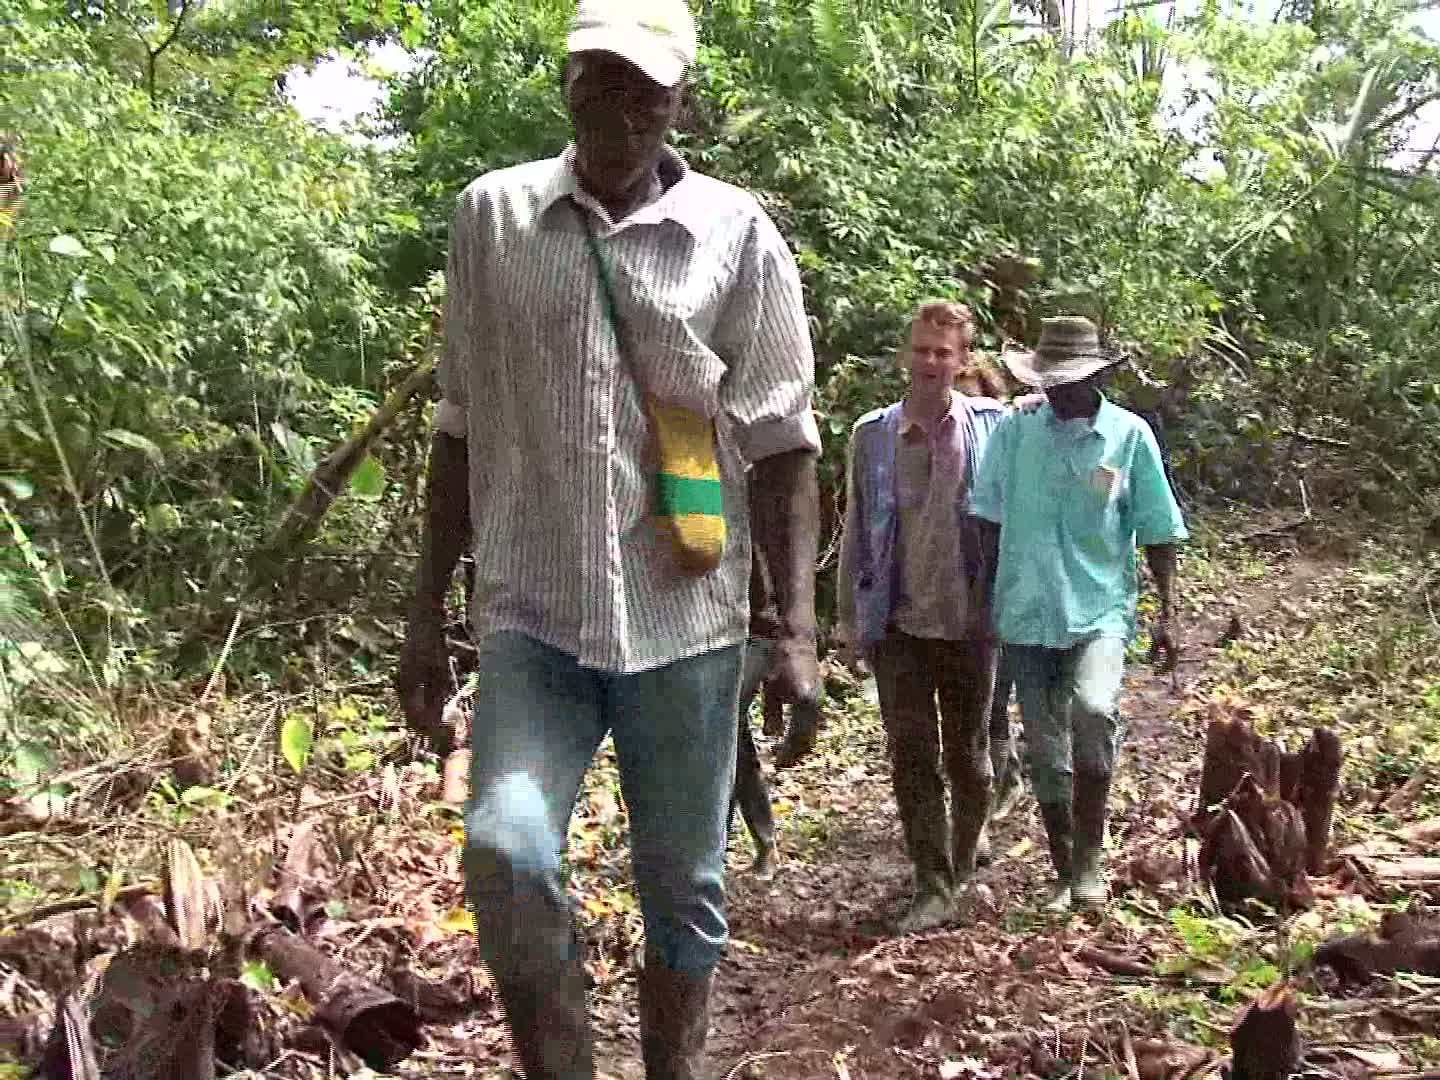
pixel 451 415
pixel 1155 512
pixel 764 339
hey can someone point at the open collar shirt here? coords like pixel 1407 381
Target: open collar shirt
pixel 710 304
pixel 1073 500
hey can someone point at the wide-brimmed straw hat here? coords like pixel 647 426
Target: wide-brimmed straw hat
pixel 1069 350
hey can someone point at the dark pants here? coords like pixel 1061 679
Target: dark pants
pixel 910 674
pixel 1004 759
pixel 752 795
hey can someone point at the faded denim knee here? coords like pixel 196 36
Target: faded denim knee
pixel 512 878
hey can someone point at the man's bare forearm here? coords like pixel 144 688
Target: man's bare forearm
pixel 786 527
pixel 989 535
pixel 1162 560
pixel 447 522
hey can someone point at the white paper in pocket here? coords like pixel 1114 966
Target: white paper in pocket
pixel 1105 481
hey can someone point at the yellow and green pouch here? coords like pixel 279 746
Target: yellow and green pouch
pixel 687 502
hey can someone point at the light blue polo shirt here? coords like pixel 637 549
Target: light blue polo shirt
pixel 1073 499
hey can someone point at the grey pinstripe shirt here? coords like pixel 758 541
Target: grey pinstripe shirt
pixel 710 299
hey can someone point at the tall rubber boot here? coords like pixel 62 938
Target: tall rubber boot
pixel 674 1020
pixel 1058 829
pixel 549 1024
pixel 1092 799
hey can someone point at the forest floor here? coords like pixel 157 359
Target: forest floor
pixel 1334 629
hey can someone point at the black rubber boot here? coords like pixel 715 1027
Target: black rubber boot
pixel 1092 798
pixel 674 1020
pixel 549 1025
pixel 1058 832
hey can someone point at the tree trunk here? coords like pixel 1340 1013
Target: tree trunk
pixel 331 475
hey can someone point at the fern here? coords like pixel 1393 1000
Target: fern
pixel 832 23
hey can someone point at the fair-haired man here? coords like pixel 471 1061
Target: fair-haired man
pixel 1066 493
pixel 907 602
pixel 589 295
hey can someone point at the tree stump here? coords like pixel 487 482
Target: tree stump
pixel 1265 814
pixel 1265 1044
pixel 1405 943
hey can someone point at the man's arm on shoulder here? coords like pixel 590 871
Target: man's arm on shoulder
pixel 987 489
pixel 987 505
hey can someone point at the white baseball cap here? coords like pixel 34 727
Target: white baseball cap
pixel 657 36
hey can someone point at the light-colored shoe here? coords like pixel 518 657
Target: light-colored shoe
pixel 927 912
pixel 983 853
pixel 1088 892
pixel 1057 898
pixel 1007 794
pixel 763 868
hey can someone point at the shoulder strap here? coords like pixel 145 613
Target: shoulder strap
pixel 605 272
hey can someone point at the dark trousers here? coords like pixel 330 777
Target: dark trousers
pixel 1004 759
pixel 752 795
pixel 911 674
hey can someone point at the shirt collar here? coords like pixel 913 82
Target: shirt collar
pixel 1097 423
pixel 908 422
pixel 677 203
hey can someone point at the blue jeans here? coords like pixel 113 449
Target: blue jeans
pixel 1070 706
pixel 539 718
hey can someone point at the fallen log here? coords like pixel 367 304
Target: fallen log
pixel 1113 962
pixel 1404 943
pixel 370 1021
pixel 1265 1044
pixel 1265 815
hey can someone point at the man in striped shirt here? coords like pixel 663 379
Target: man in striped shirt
pixel 587 625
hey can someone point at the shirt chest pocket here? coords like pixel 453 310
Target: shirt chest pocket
pixel 672 308
pixel 1097 499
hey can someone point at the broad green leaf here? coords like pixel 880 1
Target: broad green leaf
pixel 297 738
pixel 68 246
pixel 368 479
pixel 197 796
pixel 32 761
pixel 133 441
pixel 162 518
pixel 256 974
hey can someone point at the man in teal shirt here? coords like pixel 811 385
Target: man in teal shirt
pixel 1068 491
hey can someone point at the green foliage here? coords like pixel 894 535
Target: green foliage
pixel 193 309
pixel 297 738
pixel 1253 251
pixel 204 294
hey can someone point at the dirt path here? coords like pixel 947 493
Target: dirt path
pixel 814 984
